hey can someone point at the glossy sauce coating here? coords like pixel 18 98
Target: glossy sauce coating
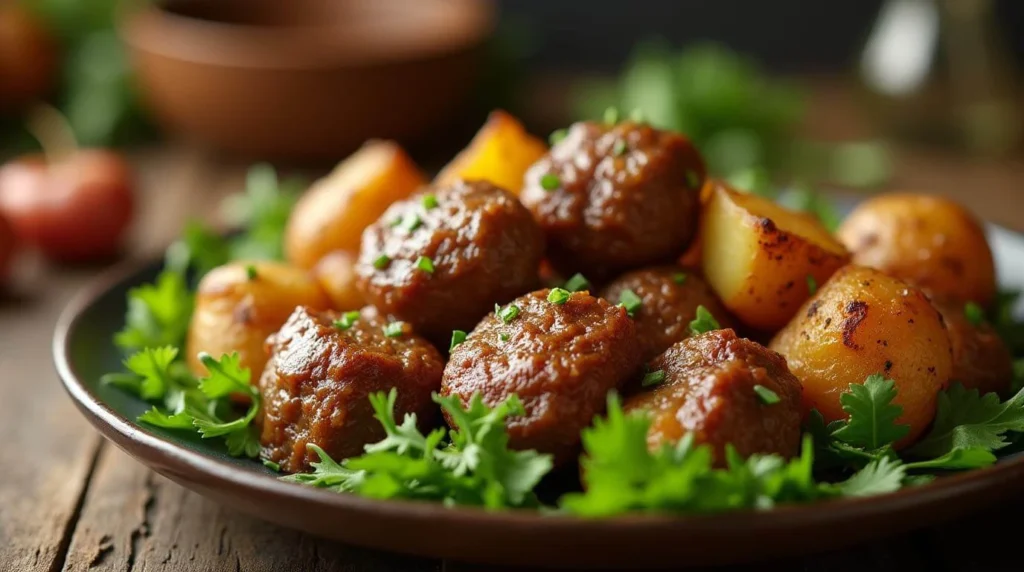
pixel 561 360
pixel 615 197
pixel 708 390
pixel 670 297
pixel 316 385
pixel 482 243
pixel 980 358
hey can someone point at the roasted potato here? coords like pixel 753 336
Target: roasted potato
pixel 332 214
pixel 863 322
pixel 981 359
pixel 499 153
pixel 336 274
pixel 239 304
pixel 757 256
pixel 928 241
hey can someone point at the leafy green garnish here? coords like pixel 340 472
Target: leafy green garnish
pixel 653 378
pixel 767 396
pixel 629 300
pixel 872 423
pixel 965 419
pixel 974 313
pixel 394 329
pixel 458 336
pixel 812 285
pixel 703 322
pixel 506 314
pixel 158 313
pixel 559 296
pixel 425 264
pixel 550 182
pixel 577 283
pixel 470 464
pixel 348 319
pixel 881 475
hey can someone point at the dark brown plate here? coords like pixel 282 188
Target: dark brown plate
pixel 83 352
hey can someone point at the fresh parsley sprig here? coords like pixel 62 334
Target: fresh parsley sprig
pixel 470 464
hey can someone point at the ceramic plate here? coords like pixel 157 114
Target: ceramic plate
pixel 83 352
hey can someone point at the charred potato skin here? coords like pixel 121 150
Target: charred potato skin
pixel 931 242
pixel 333 212
pixel 756 264
pixel 236 313
pixel 863 322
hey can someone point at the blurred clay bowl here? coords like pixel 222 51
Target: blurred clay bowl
pixel 305 79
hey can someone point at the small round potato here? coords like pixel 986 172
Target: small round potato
pixel 239 304
pixel 336 274
pixel 929 241
pixel 863 322
pixel 981 359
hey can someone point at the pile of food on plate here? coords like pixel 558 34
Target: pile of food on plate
pixel 599 308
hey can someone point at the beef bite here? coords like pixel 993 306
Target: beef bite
pixel 613 197
pixel 323 368
pixel 441 259
pixel 670 296
pixel 723 390
pixel 560 353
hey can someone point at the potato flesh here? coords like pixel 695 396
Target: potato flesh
pixel 757 256
pixel 337 276
pixel 234 313
pixel 863 322
pixel 500 153
pixel 333 213
pixel 929 241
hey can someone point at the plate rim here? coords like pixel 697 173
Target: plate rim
pixel 172 460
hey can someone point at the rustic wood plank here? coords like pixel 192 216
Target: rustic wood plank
pixel 133 519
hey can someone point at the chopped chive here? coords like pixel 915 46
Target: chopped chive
pixel 630 301
pixel 250 272
pixel 692 179
pixel 381 262
pixel 411 222
pixel 767 396
pixel 395 222
pixel 429 201
pixel 557 135
pixel 394 329
pixel 272 465
pixel 653 378
pixel 812 285
pixel 619 148
pixel 425 264
pixel 637 116
pixel 550 182
pixel 679 277
pixel 347 320
pixel 503 337
pixel 458 336
pixel 577 283
pixel 704 322
pixel 611 115
pixel 508 313
pixel 974 313
pixel 558 296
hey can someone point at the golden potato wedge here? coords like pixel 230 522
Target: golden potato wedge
pixel 929 241
pixel 757 256
pixel 336 274
pixel 500 153
pixel 863 322
pixel 239 304
pixel 332 214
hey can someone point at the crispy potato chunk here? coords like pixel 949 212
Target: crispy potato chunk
pixel 863 322
pixel 336 274
pixel 929 241
pixel 499 153
pixel 757 256
pixel 332 214
pixel 237 309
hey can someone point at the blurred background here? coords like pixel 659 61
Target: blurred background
pixel 845 95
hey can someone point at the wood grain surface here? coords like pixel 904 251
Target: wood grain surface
pixel 70 501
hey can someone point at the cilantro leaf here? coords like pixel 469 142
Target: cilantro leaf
pixel 469 464
pixel 872 422
pixel 965 419
pixel 882 475
pixel 154 416
pixel 158 314
pixel 262 210
pixel 225 376
pixel 957 459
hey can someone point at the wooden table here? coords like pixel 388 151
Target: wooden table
pixel 71 501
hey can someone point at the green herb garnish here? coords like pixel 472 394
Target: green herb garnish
pixel 250 272
pixel 704 322
pixel 630 301
pixel 430 201
pixel 348 319
pixel 506 314
pixel 557 136
pixel 411 222
pixel 503 337
pixel 394 329
pixel 767 396
pixel 559 296
pixel 577 283
pixel 425 264
pixel 550 182
pixel 619 148
pixel 812 285
pixel 679 277
pixel 611 115
pixel 653 378
pixel 974 313
pixel 381 262
pixel 458 336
